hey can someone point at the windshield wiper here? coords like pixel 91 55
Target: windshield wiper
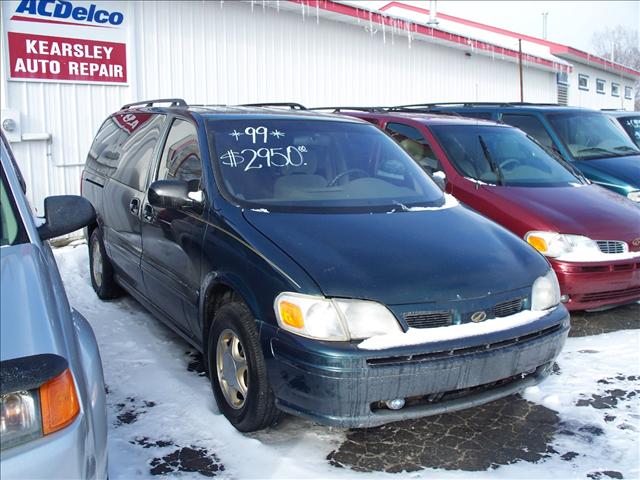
pixel 595 150
pixel 625 148
pixel 494 166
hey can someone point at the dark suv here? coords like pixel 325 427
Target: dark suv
pixel 316 266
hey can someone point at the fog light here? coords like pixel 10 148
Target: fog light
pixel 395 404
pixel 564 298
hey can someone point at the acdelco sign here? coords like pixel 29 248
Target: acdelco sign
pixel 66 10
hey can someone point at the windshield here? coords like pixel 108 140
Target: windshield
pixel 316 165
pixel 632 127
pixel 501 156
pixel 12 231
pixel 591 135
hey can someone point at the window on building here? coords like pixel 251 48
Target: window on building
pixel 627 93
pixel 529 125
pixel 415 145
pixel 600 85
pixel 615 89
pixel 181 155
pixel 562 78
pixel 583 82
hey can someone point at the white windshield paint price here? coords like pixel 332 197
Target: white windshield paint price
pixel 290 156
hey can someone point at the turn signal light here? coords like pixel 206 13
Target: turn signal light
pixel 538 243
pixel 59 402
pixel 291 314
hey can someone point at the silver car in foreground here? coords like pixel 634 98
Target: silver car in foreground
pixel 52 399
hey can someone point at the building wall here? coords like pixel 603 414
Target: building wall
pixel 235 52
pixel 591 98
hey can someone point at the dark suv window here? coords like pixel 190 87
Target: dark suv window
pixel 415 145
pixel 181 155
pixel 530 125
pixel 124 146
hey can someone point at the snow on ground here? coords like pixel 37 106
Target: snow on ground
pixel 163 416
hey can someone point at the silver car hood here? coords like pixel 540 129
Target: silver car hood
pixel 30 319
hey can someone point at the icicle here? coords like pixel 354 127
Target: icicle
pixel 252 6
pixel 384 33
pixel 317 13
pixel 278 6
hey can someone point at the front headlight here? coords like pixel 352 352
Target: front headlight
pixel 552 244
pixel 635 196
pixel 545 293
pixel 333 319
pixel 19 418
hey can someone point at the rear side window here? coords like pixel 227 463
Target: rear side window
pixel 181 154
pixel 414 143
pixel 529 125
pixel 124 146
pixel 482 115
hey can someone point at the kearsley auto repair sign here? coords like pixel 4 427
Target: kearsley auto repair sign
pixel 66 41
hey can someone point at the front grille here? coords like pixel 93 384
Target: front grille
pixel 611 246
pixel 428 319
pixel 422 357
pixel 509 307
pixel 612 295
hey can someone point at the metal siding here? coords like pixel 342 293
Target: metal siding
pixel 235 52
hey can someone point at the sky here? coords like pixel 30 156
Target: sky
pixel 569 22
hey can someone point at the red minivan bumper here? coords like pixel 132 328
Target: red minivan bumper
pixel 593 285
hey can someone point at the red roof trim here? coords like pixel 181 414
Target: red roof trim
pixel 555 48
pixel 408 25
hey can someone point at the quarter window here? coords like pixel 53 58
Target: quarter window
pixel 530 125
pixel 615 89
pixel 583 82
pixel 600 85
pixel 414 143
pixel 181 155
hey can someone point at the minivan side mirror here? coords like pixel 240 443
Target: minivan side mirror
pixel 170 194
pixel 65 214
pixel 440 179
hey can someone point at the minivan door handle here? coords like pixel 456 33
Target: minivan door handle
pixel 134 206
pixel 147 213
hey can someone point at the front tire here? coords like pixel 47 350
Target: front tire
pixel 100 268
pixel 238 372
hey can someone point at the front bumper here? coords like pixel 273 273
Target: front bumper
pixel 592 285
pixel 336 383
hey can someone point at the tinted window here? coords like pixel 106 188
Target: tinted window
pixel 530 125
pixel 501 156
pixel 415 145
pixel 632 127
pixel 124 146
pixel 591 135
pixel 137 151
pixel 12 230
pixel 181 155
pixel 305 164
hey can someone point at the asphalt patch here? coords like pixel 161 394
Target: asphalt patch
pixel 196 363
pixel 604 474
pixel 497 433
pixel 129 411
pixel 187 459
pixel 626 317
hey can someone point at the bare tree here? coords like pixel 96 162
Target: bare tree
pixel 620 45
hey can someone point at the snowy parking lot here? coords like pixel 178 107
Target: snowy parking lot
pixel 582 422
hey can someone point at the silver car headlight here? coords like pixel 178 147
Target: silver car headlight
pixel 20 419
pixel 635 196
pixel 545 293
pixel 333 319
pixel 552 244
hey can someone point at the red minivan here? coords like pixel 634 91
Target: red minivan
pixel 591 236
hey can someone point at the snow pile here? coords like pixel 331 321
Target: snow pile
pixel 419 336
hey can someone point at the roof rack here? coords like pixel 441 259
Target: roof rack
pixel 175 102
pixel 409 109
pixel 357 109
pixel 291 105
pixel 473 104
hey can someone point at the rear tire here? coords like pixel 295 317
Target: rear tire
pixel 238 372
pixel 100 268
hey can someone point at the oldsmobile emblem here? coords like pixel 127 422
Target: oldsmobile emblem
pixel 636 242
pixel 478 317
